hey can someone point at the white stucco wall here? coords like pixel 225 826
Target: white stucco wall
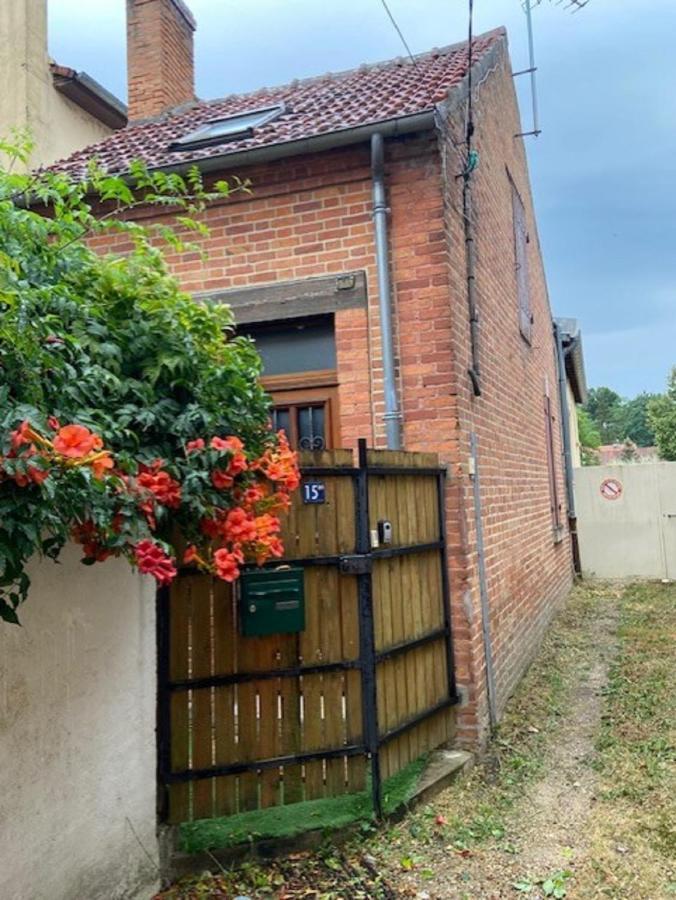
pixel 77 735
pixel 575 448
pixel 633 536
pixel 28 98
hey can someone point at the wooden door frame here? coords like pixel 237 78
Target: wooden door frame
pixel 319 387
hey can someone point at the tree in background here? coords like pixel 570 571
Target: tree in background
pixel 635 420
pixel 590 439
pixel 617 419
pixel 662 417
pixel 604 407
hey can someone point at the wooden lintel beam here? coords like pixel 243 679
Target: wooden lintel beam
pixel 293 299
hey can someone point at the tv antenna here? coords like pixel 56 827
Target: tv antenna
pixel 528 7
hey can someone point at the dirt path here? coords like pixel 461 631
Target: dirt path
pixel 543 832
pixel 550 821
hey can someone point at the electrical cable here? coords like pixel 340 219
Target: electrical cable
pixel 470 162
pixel 469 122
pixel 399 31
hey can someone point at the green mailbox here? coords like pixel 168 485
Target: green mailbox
pixel 272 601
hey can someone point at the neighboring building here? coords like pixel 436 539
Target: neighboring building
pixel 474 364
pixel 575 379
pixel 621 454
pixel 572 390
pixel 63 110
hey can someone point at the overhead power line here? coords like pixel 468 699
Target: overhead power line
pixel 399 31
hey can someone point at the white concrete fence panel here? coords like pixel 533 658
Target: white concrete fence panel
pixel 627 520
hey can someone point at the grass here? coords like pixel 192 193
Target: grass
pixel 633 825
pixel 476 810
pixel 289 821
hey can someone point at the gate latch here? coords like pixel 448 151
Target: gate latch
pixel 356 564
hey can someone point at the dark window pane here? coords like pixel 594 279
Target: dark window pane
pixel 311 434
pixel 281 421
pixel 305 347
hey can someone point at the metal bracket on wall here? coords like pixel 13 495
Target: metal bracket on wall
pixel 356 564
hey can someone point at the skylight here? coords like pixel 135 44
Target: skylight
pixel 234 127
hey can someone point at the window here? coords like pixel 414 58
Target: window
pixel 299 372
pixel 555 503
pixel 306 345
pixel 521 240
pixel 233 127
pixel 307 416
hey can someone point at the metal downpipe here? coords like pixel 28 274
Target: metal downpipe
pixel 491 692
pixel 392 414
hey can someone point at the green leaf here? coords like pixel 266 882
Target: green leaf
pixel 8 614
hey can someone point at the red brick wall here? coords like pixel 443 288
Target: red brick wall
pixel 159 56
pixel 311 216
pixel 306 216
pixel 528 567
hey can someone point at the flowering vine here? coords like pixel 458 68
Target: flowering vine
pixel 132 418
pixel 226 501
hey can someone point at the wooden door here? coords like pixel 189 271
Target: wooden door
pixel 306 411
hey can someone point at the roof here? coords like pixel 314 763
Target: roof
pixel 329 105
pixel 571 338
pixel 89 95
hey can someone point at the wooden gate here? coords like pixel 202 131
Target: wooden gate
pixel 252 722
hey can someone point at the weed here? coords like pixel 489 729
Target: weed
pixel 552 886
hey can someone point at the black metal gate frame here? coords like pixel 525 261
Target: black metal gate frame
pixel 360 564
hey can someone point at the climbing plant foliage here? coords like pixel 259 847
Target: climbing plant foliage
pixel 131 416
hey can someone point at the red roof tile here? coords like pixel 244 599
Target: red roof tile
pixel 313 106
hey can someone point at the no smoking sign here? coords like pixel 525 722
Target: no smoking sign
pixel 611 489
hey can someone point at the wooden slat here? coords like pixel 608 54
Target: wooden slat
pixel 311 653
pixel 179 668
pixel 332 683
pixel 247 730
pixel 398 458
pixel 201 718
pixel 349 622
pixel 258 739
pixel 225 736
pixel 268 741
pixel 386 688
pixel 292 779
pixel 407 571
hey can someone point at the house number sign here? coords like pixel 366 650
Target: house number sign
pixel 314 492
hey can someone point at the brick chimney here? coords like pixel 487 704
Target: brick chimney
pixel 160 69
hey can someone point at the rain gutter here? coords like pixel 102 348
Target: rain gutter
pixel 332 139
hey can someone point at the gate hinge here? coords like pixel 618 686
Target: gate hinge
pixel 356 564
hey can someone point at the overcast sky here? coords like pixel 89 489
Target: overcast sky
pixel 603 170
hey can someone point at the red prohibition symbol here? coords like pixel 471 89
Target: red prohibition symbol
pixel 611 489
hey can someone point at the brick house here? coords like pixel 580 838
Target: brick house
pixel 431 330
